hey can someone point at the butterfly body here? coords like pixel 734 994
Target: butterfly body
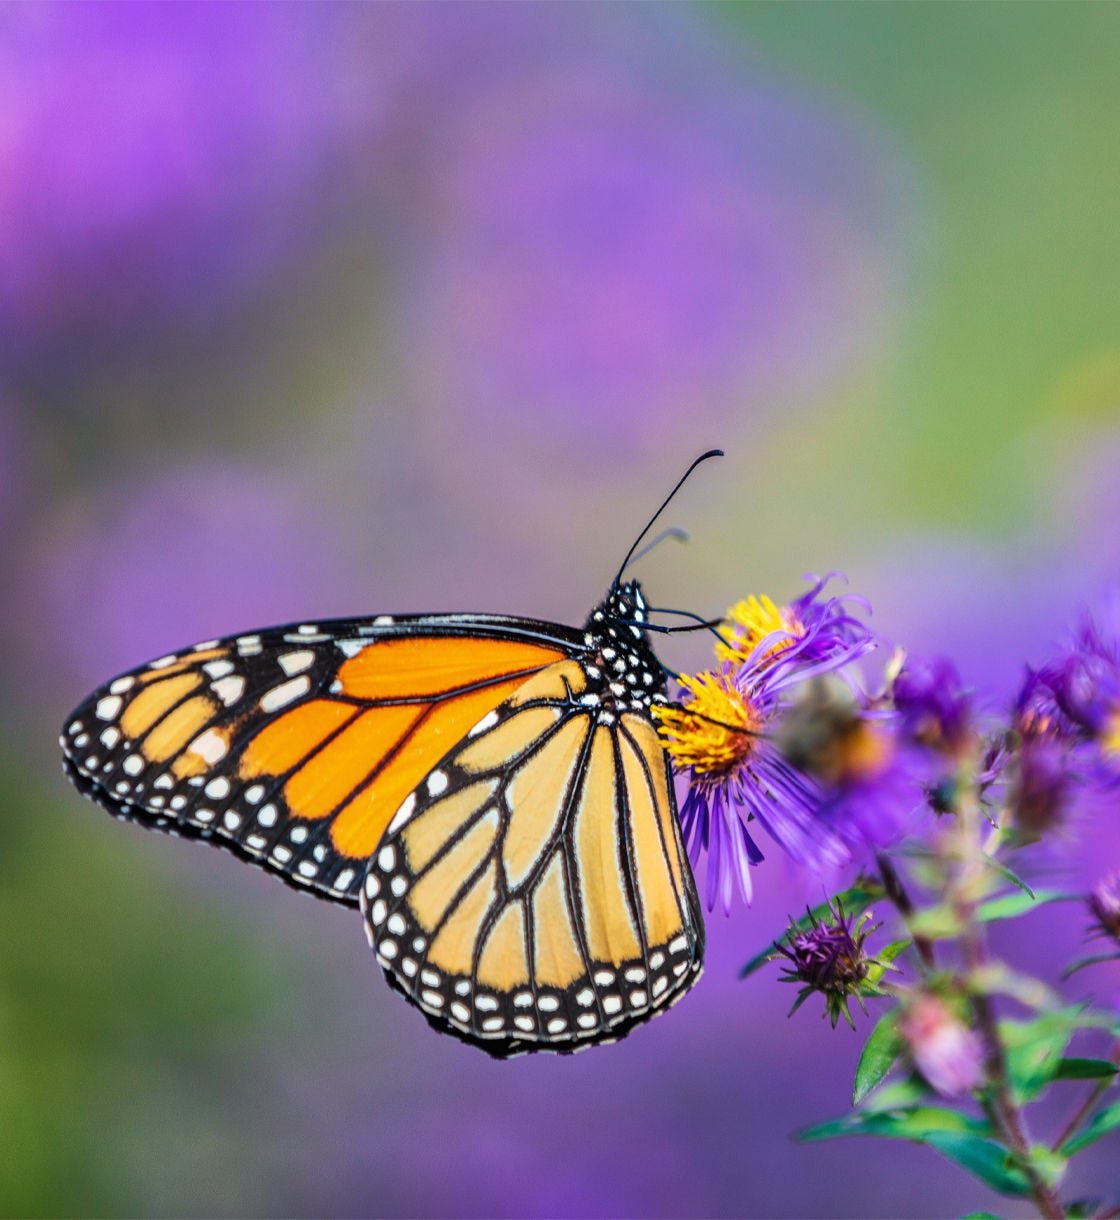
pixel 490 789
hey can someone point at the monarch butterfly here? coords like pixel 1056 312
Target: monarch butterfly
pixel 490 790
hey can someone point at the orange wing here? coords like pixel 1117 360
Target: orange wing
pixel 295 746
pixel 533 892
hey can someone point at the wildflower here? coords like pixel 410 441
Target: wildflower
pixel 725 734
pixel 821 631
pixel 1041 784
pixel 935 708
pixel 1104 905
pixel 1077 695
pixel 868 780
pixel 829 957
pixel 944 1050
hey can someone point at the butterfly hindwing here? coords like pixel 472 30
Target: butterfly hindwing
pixel 532 892
pixel 293 746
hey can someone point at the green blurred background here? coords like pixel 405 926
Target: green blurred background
pixel 362 309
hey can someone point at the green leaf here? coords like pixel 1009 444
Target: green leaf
pixel 1034 1050
pixel 911 1123
pixel 1005 872
pixel 983 1158
pixel 935 923
pixel 854 901
pixel 1082 962
pixel 981 1216
pixel 1085 1069
pixel 898 1094
pixel 882 1049
pixel 1099 1125
pixel 1010 905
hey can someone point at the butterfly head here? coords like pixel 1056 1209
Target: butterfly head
pixel 626 602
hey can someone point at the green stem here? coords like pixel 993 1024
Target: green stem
pixel 897 894
pixel 1007 1118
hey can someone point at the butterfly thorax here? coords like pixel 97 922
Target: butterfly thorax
pixel 631 676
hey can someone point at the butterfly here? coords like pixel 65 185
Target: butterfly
pixel 489 790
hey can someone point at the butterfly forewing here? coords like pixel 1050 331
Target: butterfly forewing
pixel 293 747
pixel 532 892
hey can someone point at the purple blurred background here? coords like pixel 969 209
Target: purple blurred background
pixel 348 309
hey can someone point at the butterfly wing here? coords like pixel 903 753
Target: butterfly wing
pixel 532 892
pixel 293 747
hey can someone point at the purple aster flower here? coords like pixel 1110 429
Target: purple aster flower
pixel 1041 783
pixel 1104 905
pixel 829 957
pixel 821 774
pixel 822 631
pixel 935 709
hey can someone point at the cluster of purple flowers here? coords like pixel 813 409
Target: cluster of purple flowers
pixel 775 738
pixel 782 737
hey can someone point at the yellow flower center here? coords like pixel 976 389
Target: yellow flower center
pixel 714 731
pixel 752 620
pixel 1110 738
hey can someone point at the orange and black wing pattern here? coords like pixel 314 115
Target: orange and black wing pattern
pixel 294 747
pixel 532 892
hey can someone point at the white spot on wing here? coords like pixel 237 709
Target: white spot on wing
pixel 280 696
pixel 229 690
pixel 108 707
pixel 296 662
pixel 209 746
pixel 403 813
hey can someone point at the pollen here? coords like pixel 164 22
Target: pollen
pixel 713 731
pixel 751 620
pixel 1110 737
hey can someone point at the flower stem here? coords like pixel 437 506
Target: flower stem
pixel 896 892
pixel 1002 1111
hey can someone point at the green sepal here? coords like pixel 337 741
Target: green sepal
pixel 879 965
pixel 1096 1128
pixel 854 901
pixel 881 1051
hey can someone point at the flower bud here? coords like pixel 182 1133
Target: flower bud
pixel 944 1050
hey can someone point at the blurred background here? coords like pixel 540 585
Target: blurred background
pixel 318 310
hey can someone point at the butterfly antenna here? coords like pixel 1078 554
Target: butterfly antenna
pixel 680 483
pixel 672 532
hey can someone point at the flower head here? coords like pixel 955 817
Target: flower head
pixel 1041 783
pixel 935 708
pixel 814 784
pixel 947 1053
pixel 1104 905
pixel 819 630
pixel 828 956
